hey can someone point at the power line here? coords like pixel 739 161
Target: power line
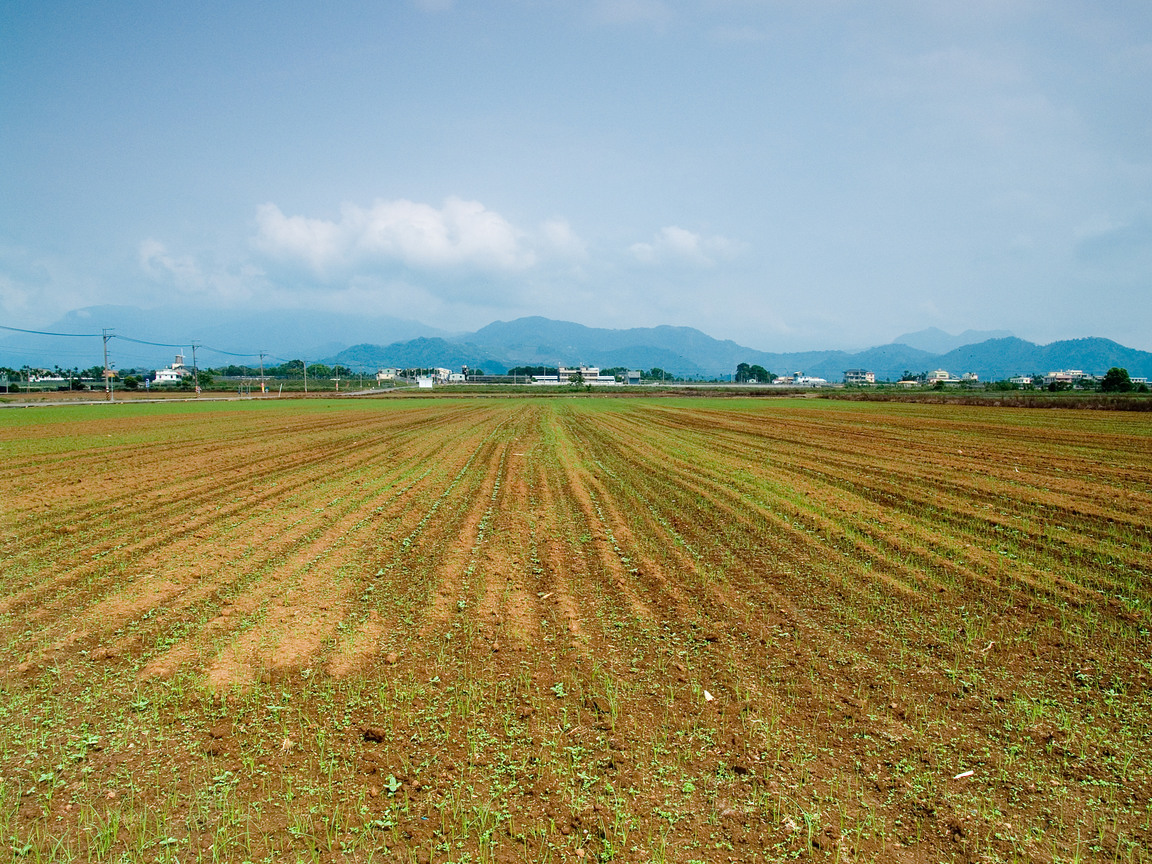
pixel 229 353
pixel 145 342
pixel 45 333
pixel 133 340
pixel 174 345
pixel 106 335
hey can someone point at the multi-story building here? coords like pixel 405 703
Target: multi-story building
pixel 859 376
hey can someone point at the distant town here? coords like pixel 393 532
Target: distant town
pixel 319 377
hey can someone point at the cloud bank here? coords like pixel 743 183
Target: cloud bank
pixel 460 235
pixel 675 245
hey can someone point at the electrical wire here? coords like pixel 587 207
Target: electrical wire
pixel 45 333
pixel 123 338
pixel 145 342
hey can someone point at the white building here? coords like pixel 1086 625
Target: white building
pixel 175 373
pixel 801 380
pixel 387 374
pixel 1071 377
pixel 859 376
pixel 588 375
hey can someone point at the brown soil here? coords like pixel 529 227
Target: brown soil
pixel 522 630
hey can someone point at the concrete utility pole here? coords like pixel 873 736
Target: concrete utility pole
pixel 195 371
pixel 305 376
pixel 107 332
pixel 262 353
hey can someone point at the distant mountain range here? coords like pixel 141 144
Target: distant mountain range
pixel 991 360
pixel 936 341
pixel 148 339
pixel 687 352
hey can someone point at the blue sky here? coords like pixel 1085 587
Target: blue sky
pixel 792 174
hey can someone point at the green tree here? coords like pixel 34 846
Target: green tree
pixel 754 373
pixel 1116 380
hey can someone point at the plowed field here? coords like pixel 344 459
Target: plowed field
pixel 572 629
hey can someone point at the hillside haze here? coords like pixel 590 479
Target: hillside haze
pixel 688 352
pixel 150 338
pixel 936 341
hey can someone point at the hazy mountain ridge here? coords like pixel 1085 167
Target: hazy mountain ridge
pixel 936 341
pixel 1003 358
pixel 543 341
pixel 420 353
pixel 993 360
pixel 701 356
pixel 388 341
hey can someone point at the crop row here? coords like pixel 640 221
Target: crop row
pixel 533 629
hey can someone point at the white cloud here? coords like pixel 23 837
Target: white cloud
pixel 675 245
pixel 228 286
pixel 1097 225
pixel 1105 242
pixel 157 263
pixel 458 236
pixel 557 236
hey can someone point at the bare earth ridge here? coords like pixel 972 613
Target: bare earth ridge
pixel 575 629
